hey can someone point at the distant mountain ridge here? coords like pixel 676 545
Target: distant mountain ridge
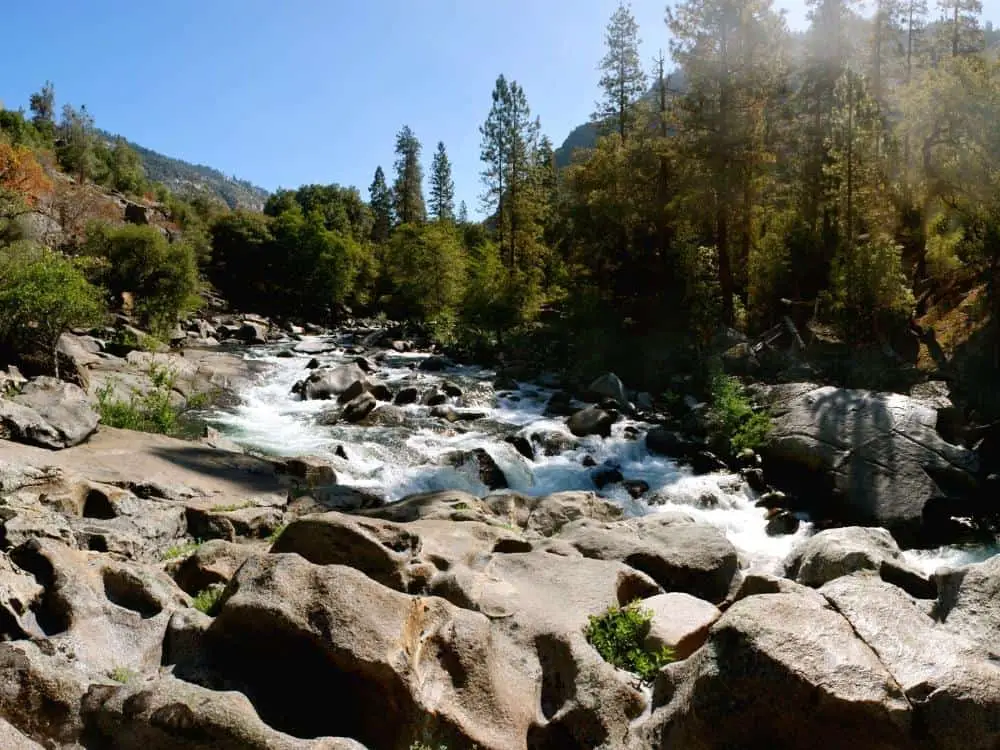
pixel 188 180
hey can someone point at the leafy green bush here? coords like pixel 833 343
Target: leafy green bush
pixel 207 600
pixel 143 412
pixel 42 294
pixel 162 276
pixel 122 674
pixel 734 417
pixel 619 635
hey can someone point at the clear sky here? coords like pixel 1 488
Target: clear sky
pixel 286 92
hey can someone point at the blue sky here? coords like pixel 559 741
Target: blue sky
pixel 286 92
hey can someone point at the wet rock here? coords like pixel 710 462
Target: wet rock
pixel 385 415
pixel 782 524
pixel 48 413
pixel 706 462
pixel 505 383
pixel 408 395
pixel 483 465
pixel 365 364
pixel 665 442
pixel 451 390
pixel 353 391
pixel 839 552
pixel 773 499
pixel 433 397
pixel 359 408
pixel 588 461
pixel 380 391
pixel 554 443
pixel 610 386
pixel 605 476
pixel 560 404
pixel 755 479
pixel 329 383
pixel 451 414
pixel 252 333
pixel 312 470
pixel 522 445
pixel 636 488
pixel 592 421
pixel 313 364
pixel 436 364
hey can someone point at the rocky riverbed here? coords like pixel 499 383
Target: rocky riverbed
pixel 406 551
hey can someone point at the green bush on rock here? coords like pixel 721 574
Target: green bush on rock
pixel 619 636
pixel 733 415
pixel 143 412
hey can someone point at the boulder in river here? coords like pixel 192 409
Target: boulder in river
pixel 436 364
pixel 252 333
pixel 48 413
pixel 610 386
pixel 522 445
pixel 451 414
pixel 380 391
pixel 329 383
pixel 484 466
pixel 408 395
pixel 433 397
pixel 871 459
pixel 359 407
pixel 592 421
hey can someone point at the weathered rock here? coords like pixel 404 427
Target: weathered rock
pixel 354 390
pixel 359 408
pixel 252 333
pixel 167 713
pixel 451 390
pixel 548 514
pixel 408 395
pixel 215 561
pixel 312 470
pixel 969 602
pixel 434 664
pixel 433 397
pixel 229 523
pixel 380 391
pixel 839 552
pixel 706 462
pixel 483 466
pixel 679 555
pixel 782 524
pixel 952 686
pixel 315 346
pixel 636 488
pixel 48 413
pixel 522 445
pixel 680 622
pixel 386 415
pixel 606 475
pixel 329 383
pixel 451 414
pixel 436 364
pixel 610 386
pixel 880 455
pixel 780 670
pixel 591 421
pixel 553 443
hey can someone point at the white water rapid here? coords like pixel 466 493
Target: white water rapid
pixel 402 459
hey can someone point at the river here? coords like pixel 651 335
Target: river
pixel 402 459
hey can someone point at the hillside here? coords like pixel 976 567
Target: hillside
pixel 187 180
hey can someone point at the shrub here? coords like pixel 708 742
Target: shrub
pixel 733 415
pixel 207 600
pixel 42 294
pixel 122 675
pixel 143 412
pixel 162 276
pixel 619 635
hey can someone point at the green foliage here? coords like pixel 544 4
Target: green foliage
pixel 123 675
pixel 143 412
pixel 207 600
pixel 407 190
pixel 619 636
pixel 733 416
pixel 76 151
pixel 162 276
pixel 42 295
pixel 277 533
pixel 427 267
pixel 120 168
pixel 181 550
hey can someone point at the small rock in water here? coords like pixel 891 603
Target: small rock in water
pixel 359 408
pixel 636 488
pixel 433 397
pixel 365 364
pixel 592 421
pixel 782 524
pixel 588 461
pixel 631 433
pixel 381 392
pixel 559 405
pixel 605 476
pixel 312 364
pixel 409 395
pixel 451 414
pixel 353 391
pixel 505 383
pixel 774 499
pixel 553 443
pixel 285 354
pixel 436 364
pixel 755 478
pixel 706 462
pixel 451 390
pixel 340 452
pixel 522 445
pixel 486 468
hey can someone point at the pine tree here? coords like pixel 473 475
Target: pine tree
pixel 915 12
pixel 76 152
pixel 463 213
pixel 442 186
pixel 494 153
pixel 962 33
pixel 43 107
pixel 725 49
pixel 408 191
pixel 623 79
pixel 380 201
pixel 885 41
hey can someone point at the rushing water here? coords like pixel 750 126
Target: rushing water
pixel 403 459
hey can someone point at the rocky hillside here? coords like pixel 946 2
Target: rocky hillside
pixel 188 180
